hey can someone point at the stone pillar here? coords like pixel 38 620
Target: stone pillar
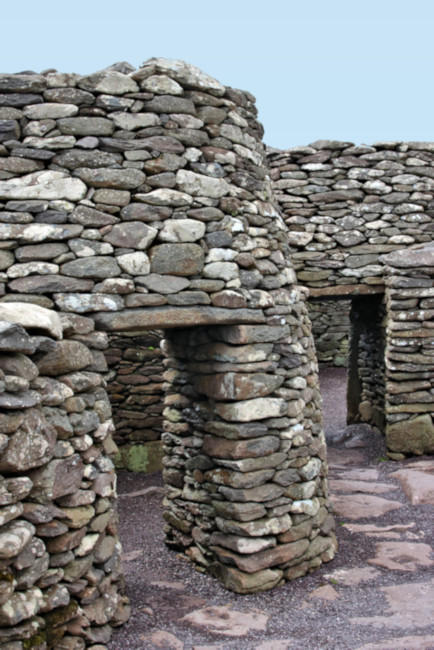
pixel 245 470
pixel 60 571
pixel 409 352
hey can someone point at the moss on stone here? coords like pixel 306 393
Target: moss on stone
pixel 145 458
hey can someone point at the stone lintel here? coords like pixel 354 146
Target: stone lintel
pixel 347 290
pixel 170 317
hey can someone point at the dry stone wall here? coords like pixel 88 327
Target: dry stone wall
pixel 409 402
pixel 346 205
pixel 60 557
pixel 330 329
pixel 140 198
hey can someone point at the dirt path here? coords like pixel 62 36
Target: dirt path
pixel 378 592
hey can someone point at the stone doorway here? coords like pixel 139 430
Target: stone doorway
pixel 366 361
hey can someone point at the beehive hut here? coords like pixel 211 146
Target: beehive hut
pixel 135 201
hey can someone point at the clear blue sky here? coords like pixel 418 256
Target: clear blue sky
pixel 338 69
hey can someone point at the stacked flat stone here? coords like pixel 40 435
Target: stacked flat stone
pixel 141 198
pixel 409 403
pixel 330 329
pixel 60 576
pixel 345 205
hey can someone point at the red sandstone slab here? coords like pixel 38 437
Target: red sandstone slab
pixel 276 644
pixel 361 506
pixel 359 474
pixel 229 622
pixel 418 485
pixel 372 528
pixel 403 556
pixel 410 606
pixel 164 640
pixel 338 458
pixel 403 643
pixel 339 485
pixel 351 577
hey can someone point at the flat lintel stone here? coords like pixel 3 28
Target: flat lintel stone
pixel 170 317
pixel 339 291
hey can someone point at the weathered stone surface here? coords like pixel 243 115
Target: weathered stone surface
pixel 262 493
pixel 245 583
pixel 264 559
pixel 31 445
pixel 238 479
pixel 242 544
pixel 199 185
pixel 165 197
pixel 57 478
pixel 417 485
pixel 185 74
pixel 182 230
pixel 32 317
pixel 413 436
pixel 234 449
pixel 68 356
pixel 159 84
pixel 253 528
pixel 237 386
pixel 177 259
pixel 50 111
pixel 21 606
pixel 85 126
pixel 43 185
pixel 358 506
pixel 14 537
pixel 409 607
pixel 75 158
pixel 92 267
pixel 259 408
pixel 14 338
pixel 165 284
pixel 167 317
pixel 118 179
pixel 133 234
pixel 402 556
pixel 224 620
pixel 111 82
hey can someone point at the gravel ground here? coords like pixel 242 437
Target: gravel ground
pixel 163 587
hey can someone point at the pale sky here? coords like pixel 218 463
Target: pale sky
pixel 360 71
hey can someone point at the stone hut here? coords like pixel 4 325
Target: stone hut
pixel 360 222
pixel 135 201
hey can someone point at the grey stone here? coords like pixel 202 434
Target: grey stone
pixel 75 158
pixel 134 234
pixel 123 179
pixel 68 356
pixel 30 446
pixel 43 185
pixel 14 338
pixel 177 259
pixel 92 267
pixel 32 317
pixel 49 284
pixel 58 478
pixel 110 82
